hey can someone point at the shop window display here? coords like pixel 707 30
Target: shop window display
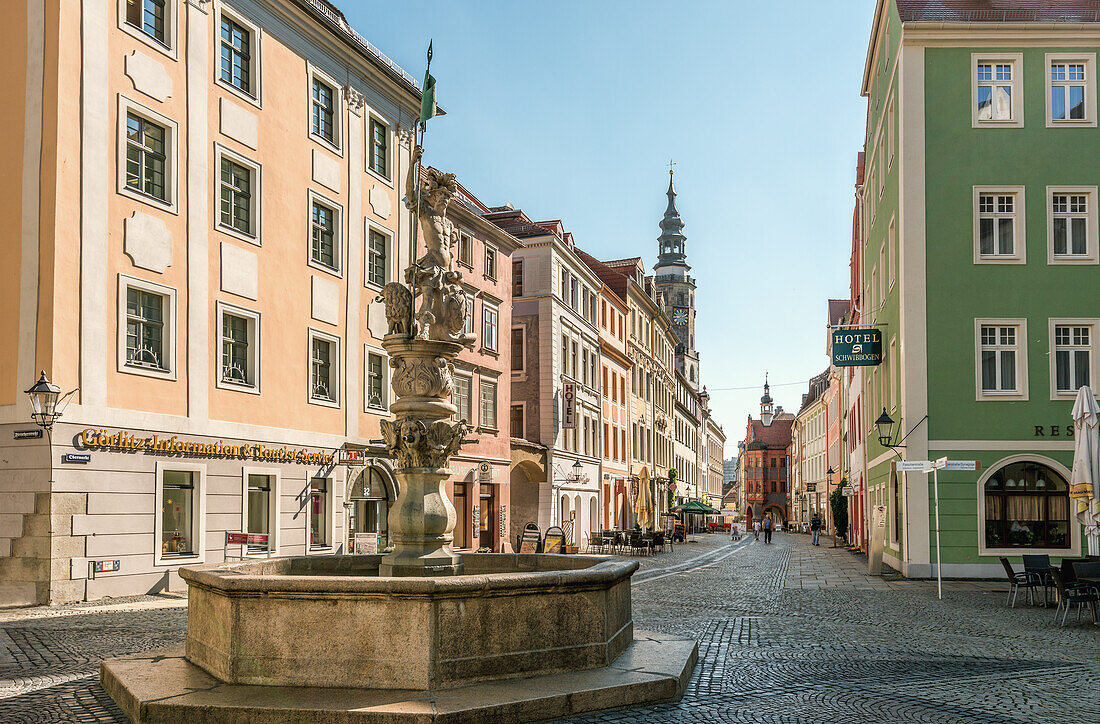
pixel 1026 506
pixel 177 513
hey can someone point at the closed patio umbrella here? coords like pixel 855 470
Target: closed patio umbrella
pixel 1084 484
pixel 643 506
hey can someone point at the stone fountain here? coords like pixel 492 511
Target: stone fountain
pixel 420 634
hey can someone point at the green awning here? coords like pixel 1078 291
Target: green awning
pixel 694 506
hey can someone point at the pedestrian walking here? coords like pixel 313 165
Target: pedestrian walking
pixel 756 529
pixel 815 528
pixel 767 531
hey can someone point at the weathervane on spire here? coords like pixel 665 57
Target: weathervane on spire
pixel 671 163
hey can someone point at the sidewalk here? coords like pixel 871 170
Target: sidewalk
pixel 822 566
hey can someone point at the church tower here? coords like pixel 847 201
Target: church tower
pixel 676 288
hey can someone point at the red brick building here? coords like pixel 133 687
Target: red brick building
pixel 766 465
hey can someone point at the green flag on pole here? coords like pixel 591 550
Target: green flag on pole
pixel 427 93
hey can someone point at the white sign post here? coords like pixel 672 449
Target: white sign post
pixel 935 466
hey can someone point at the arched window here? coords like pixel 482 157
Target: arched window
pixel 564 510
pixel 1026 506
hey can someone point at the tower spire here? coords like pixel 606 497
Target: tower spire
pixel 672 236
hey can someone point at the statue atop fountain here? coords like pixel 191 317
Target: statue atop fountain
pixel 422 343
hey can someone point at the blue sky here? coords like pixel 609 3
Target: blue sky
pixel 571 110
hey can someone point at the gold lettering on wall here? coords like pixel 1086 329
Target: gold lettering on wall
pixel 125 441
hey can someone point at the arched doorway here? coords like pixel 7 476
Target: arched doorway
pixel 525 479
pixel 370 495
pixel 778 516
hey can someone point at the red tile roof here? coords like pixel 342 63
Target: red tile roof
pixel 999 11
pixel 776 435
pixel 615 279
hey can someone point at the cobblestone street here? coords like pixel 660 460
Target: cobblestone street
pixel 786 632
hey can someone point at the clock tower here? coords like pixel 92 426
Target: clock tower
pixel 676 288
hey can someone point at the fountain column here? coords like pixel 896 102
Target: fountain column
pixel 422 344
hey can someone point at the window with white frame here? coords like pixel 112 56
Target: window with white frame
pixel 1001 357
pixel 324 109
pixel 461 397
pixel 320 491
pixel 147 314
pixel 468 328
pixel 378 147
pixel 153 19
pixel 238 55
pixel 490 262
pixel 1073 358
pixel 517 278
pixel 324 234
pixel 238 195
pixel 996 89
pixel 998 224
pixel 1071 89
pixel 516 422
pixel 891 250
pixel 890 133
pixel 490 326
pixel 377 254
pixel 1072 229
pixel 324 369
pixel 239 351
pixel 465 249
pixel 147 146
pixel 180 527
pixel 376 388
pixel 518 340
pixel 261 508
pixel 488 404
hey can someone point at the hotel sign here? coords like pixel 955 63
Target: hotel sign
pixel 124 441
pixel 857 347
pixel 569 406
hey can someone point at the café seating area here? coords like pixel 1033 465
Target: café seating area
pixel 1074 583
pixel 632 542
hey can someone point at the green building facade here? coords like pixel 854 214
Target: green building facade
pixel 979 264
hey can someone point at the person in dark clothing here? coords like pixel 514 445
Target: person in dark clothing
pixel 767 530
pixel 815 528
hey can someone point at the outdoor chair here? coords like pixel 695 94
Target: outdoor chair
pixel 638 544
pixel 1039 565
pixel 1069 576
pixel 1079 595
pixel 659 541
pixel 1018 580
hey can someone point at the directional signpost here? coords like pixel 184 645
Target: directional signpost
pixel 935 466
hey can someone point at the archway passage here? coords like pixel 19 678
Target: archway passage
pixel 777 514
pixel 370 494
pixel 525 479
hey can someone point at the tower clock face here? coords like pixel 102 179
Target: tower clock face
pixel 680 316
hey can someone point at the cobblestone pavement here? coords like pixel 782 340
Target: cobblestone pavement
pixel 786 632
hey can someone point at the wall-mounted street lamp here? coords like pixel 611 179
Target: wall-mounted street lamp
pixel 45 398
pixel 884 425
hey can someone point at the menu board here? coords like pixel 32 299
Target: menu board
pixel 532 536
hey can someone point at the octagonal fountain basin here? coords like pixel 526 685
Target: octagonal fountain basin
pixel 332 621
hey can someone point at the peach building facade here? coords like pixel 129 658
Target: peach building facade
pixel 210 203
